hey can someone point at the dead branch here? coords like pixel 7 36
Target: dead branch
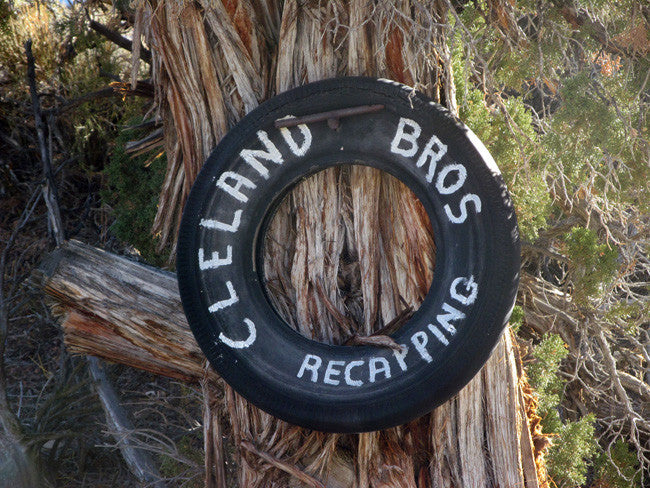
pixel 49 188
pixel 120 40
pixel 120 310
pixel 88 97
pixel 580 18
pixel 138 461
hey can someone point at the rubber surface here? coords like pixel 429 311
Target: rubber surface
pixel 448 339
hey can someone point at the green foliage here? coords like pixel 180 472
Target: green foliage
pixel 6 14
pixel 132 190
pixel 578 131
pixel 543 376
pixel 592 135
pixel 621 471
pixel 569 455
pixel 68 58
pixel 592 264
pixel 631 315
pixel 591 127
pixel 512 142
pixel 516 318
pixel 573 442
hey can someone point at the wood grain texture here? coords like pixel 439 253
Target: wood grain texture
pixel 121 310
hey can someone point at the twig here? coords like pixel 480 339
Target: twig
pixel 102 93
pixel 116 88
pixel 610 363
pixel 374 340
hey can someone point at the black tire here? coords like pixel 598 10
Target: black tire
pixel 461 319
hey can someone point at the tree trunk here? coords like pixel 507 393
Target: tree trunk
pixel 128 312
pixel 212 62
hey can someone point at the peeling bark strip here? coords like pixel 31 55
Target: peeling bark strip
pixel 213 61
pixel 128 312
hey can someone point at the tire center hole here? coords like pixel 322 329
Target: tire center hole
pixel 348 254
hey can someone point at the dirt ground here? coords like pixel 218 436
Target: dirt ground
pixel 51 391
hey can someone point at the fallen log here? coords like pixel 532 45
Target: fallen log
pixel 120 310
pixel 127 312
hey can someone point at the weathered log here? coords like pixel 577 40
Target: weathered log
pixel 128 312
pixel 122 311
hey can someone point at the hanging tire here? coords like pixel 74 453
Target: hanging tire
pixel 219 261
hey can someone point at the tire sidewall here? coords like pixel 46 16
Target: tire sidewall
pixel 484 246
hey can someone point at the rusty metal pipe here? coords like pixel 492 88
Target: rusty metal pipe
pixel 332 115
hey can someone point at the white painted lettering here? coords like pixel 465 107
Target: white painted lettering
pixel 419 340
pixel 291 142
pixel 252 335
pixel 215 224
pixel 439 335
pixel 400 355
pixel 216 261
pixel 433 155
pixel 331 372
pixel 452 314
pixel 444 172
pixel 348 373
pixel 409 137
pixel 252 156
pixel 471 290
pixel 234 190
pixel 384 368
pixel 220 305
pixel 311 363
pixel 470 197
